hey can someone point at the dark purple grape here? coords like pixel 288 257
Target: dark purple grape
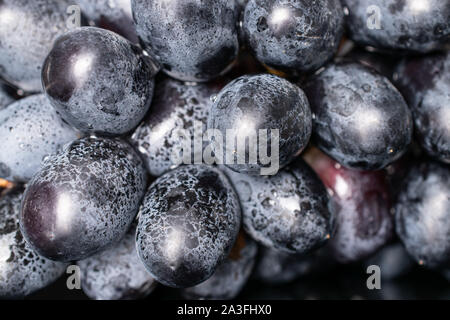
pixel 31 130
pixel 405 25
pixel 288 211
pixel 176 106
pixel 188 223
pixel 425 84
pixel 261 102
pixel 27 32
pixel 230 277
pixel 422 214
pixel 393 260
pixel 22 270
pixel 276 267
pixel 194 40
pixel 113 15
pixel 362 206
pixel 83 199
pixel 98 81
pixel 117 273
pixel 293 35
pixel 359 117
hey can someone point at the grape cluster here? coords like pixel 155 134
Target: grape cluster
pixel 127 146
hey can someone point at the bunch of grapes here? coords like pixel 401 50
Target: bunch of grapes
pixel 353 98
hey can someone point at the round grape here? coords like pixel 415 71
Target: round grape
pixel 288 211
pixel 407 25
pixel 422 214
pixel 425 84
pixel 359 118
pixel 265 102
pixel 83 199
pixel 293 35
pixel 98 81
pixel 195 40
pixel 31 130
pixel 362 205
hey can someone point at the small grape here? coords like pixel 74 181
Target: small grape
pixel 27 32
pixel 261 102
pixel 188 223
pixel 288 211
pixel 413 26
pixel 425 84
pixel 293 35
pixel 422 214
pixel 362 205
pixel 194 40
pixel 98 81
pixel 360 118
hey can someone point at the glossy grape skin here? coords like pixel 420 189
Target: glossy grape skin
pixel 262 102
pixel 393 261
pixel 359 118
pixel 176 106
pixel 288 211
pixel 31 130
pixel 195 40
pixel 22 270
pixel 27 32
pixel 188 223
pixel 407 25
pixel 425 84
pixel 293 35
pixel 230 277
pixel 362 205
pixel 83 199
pixel 5 96
pixel 276 267
pixel 117 273
pixel 422 214
pixel 98 81
pixel 114 15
